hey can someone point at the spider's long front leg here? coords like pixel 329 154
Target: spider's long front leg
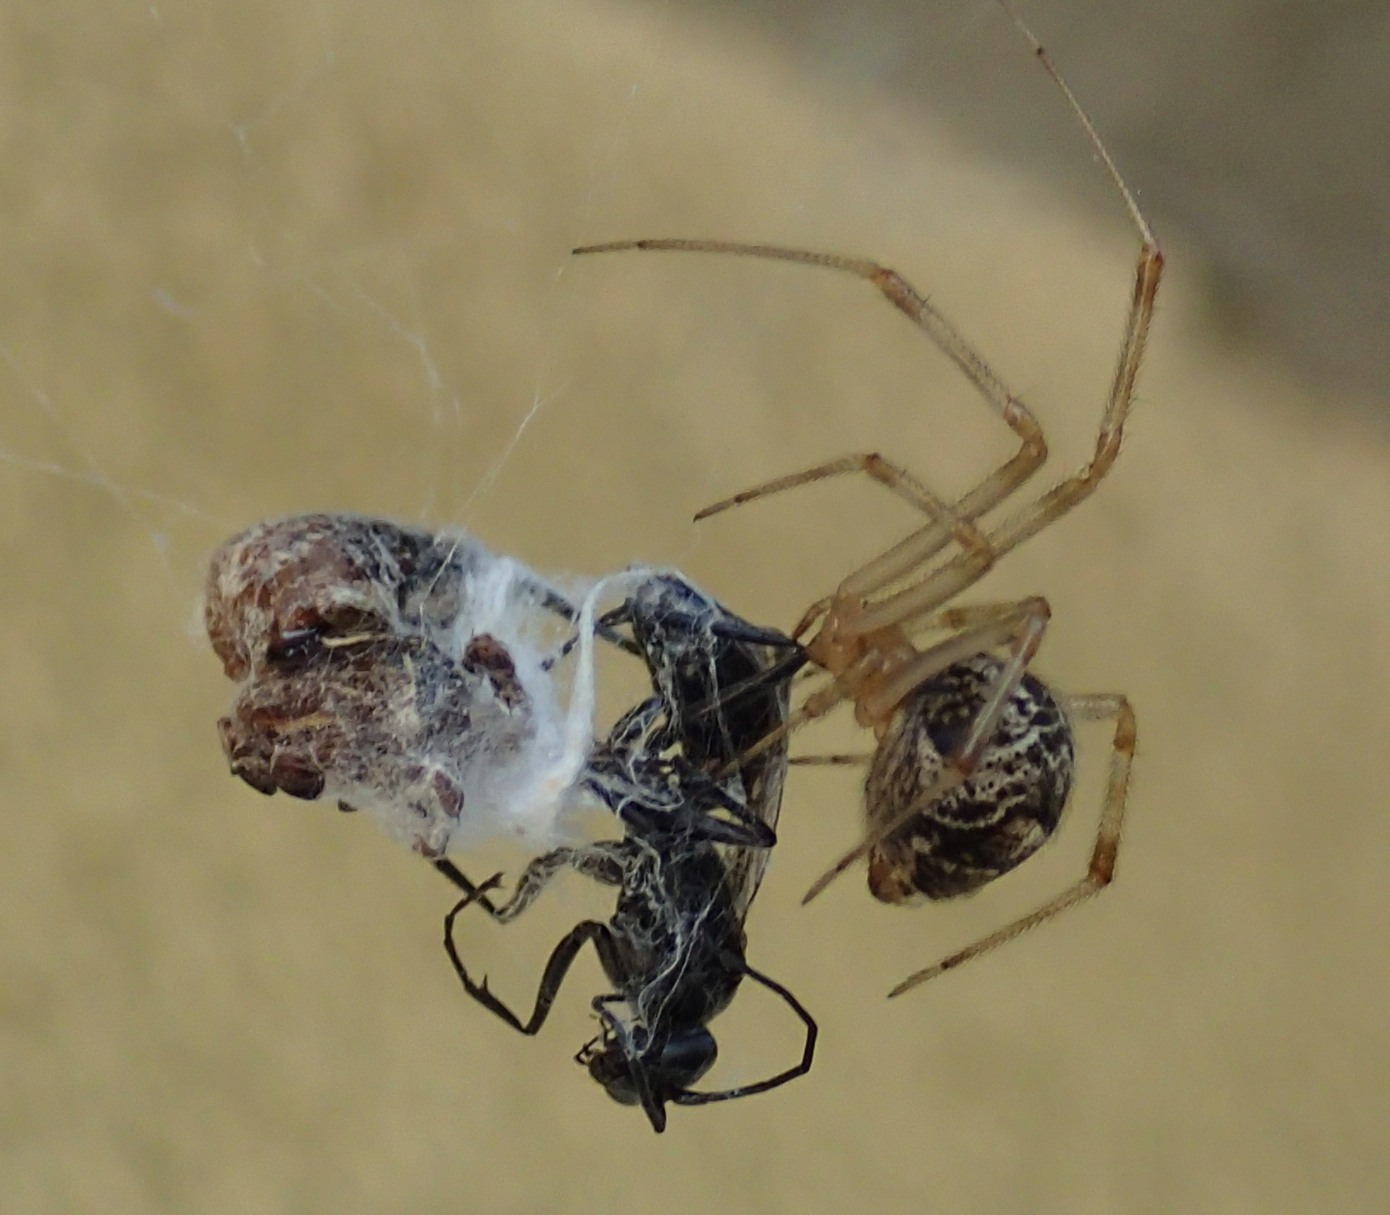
pixel 944 584
pixel 912 553
pixel 948 521
pixel 958 574
pixel 1101 869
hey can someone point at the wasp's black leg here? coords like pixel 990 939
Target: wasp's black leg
pixel 756 684
pixel 600 861
pixel 594 860
pixel 706 811
pixel 561 959
pixel 534 878
pixel 799 1069
pixel 552 601
pixel 708 816
pixel 635 1059
pixel 474 893
pixel 743 829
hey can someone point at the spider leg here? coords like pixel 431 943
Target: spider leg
pixel 817 704
pixel 950 341
pixel 1022 626
pixel 832 761
pixel 800 1068
pixel 783 671
pixel 947 523
pixel 1076 488
pixel 982 549
pixel 962 571
pixel 1101 869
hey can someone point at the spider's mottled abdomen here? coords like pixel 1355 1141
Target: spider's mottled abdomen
pixel 998 818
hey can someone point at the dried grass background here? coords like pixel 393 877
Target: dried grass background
pixel 264 258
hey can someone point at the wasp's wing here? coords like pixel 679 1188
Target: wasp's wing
pixel 751 682
pixel 746 866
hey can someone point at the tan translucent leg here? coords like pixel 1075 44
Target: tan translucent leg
pixel 960 573
pixel 1101 869
pixel 1021 626
pixel 946 523
pixel 941 586
pixel 908 554
pixel 817 704
pixel 975 620
pixel 965 616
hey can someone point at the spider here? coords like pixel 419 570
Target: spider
pixel 974 755
pixel 695 845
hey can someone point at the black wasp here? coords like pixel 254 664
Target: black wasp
pixel 699 824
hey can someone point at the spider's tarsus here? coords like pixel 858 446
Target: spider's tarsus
pixel 830 875
pixel 612 246
pixel 923 976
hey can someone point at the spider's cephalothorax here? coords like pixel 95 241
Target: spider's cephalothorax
pixel 996 819
pixel 697 831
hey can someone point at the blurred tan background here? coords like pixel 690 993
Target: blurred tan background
pixel 267 258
